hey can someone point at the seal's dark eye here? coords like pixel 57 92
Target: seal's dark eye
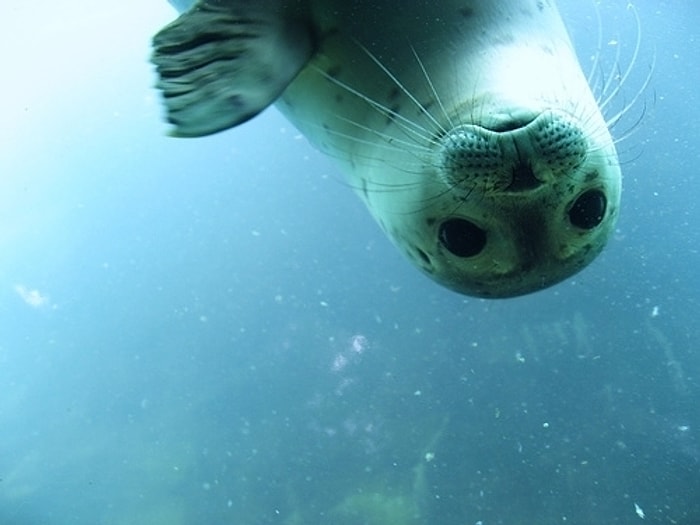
pixel 588 210
pixel 462 238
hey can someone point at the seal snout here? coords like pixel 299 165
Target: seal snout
pixel 510 158
pixel 529 205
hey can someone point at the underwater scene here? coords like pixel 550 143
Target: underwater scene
pixel 215 330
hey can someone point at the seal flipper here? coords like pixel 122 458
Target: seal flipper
pixel 223 62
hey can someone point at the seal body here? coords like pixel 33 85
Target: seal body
pixel 466 126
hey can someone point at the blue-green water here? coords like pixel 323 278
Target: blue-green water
pixel 214 331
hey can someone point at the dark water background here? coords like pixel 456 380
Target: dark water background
pixel 214 331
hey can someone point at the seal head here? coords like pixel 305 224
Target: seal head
pixel 466 126
pixel 536 203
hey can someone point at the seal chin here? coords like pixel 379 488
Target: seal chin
pixel 526 251
pixel 519 271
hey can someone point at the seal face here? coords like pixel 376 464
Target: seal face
pixel 466 126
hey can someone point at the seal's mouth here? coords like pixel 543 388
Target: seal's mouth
pixel 505 123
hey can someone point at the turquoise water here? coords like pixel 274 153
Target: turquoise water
pixel 215 331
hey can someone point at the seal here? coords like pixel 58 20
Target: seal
pixel 466 126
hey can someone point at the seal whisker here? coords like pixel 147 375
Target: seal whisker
pixel 381 188
pixel 612 87
pixel 388 139
pixel 428 202
pixel 404 89
pixel 598 130
pixel 378 160
pixel 393 187
pixel 408 125
pixel 617 117
pixel 433 90
pixel 594 71
pixel 604 103
pixel 606 81
pixel 461 201
pixel 632 129
pixel 387 144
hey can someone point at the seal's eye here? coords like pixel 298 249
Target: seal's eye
pixel 462 238
pixel 588 210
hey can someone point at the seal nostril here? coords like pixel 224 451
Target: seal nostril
pixel 588 209
pixel 461 237
pixel 523 178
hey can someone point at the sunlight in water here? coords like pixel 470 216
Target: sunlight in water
pixel 33 298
